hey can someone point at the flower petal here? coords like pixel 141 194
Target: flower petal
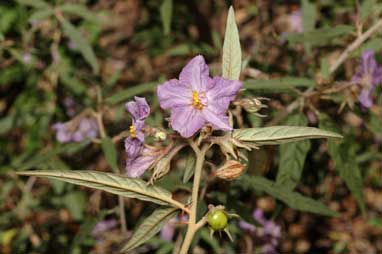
pixel 133 147
pixel 186 120
pixel 218 121
pixel 139 109
pixel 195 74
pixel 220 93
pixel 368 62
pixel 174 94
pixel 138 166
pixel 365 98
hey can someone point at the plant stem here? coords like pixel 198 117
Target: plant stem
pixel 192 225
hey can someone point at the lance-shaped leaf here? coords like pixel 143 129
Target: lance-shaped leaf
pixel 189 167
pixel 150 227
pixel 292 157
pixel 231 49
pixel 293 199
pixel 278 83
pixel 344 159
pixel 81 43
pixel 109 182
pixel 280 134
pixel 110 153
pixel 166 15
pixel 123 95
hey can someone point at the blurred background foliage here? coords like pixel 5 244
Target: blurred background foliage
pixel 58 58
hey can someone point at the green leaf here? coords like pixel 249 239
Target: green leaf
pixel 231 49
pixel 293 199
pixel 325 68
pixel 44 156
pixel 309 15
pixel 109 182
pixel 166 15
pixel 150 227
pixel 110 153
pixel 123 95
pixel 321 36
pixel 280 83
pixel 374 44
pixel 280 134
pixel 79 10
pixel 82 44
pixel 75 202
pixel 345 163
pixel 367 7
pixel 292 157
pixel 34 3
pixel 41 14
pixel 190 167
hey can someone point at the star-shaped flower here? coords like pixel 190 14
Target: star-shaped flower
pixel 196 99
pixel 368 75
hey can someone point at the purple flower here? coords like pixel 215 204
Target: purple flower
pixel 368 75
pixel 76 131
pixel 103 226
pixel 138 161
pixel 139 109
pixel 269 233
pixel 168 230
pixel 137 166
pixel 295 21
pixel 196 99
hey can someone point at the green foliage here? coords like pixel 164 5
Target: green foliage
pixel 281 83
pixel 150 227
pixel 116 184
pixel 231 62
pixel 189 168
pixel 280 134
pixel 292 199
pixel 343 156
pixel 110 153
pixel 81 43
pixel 292 157
pixel 166 15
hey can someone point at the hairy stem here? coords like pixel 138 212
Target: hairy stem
pixel 193 226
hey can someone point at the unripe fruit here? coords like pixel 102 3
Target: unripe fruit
pixel 217 220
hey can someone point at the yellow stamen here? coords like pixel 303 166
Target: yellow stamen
pixel 196 101
pixel 132 132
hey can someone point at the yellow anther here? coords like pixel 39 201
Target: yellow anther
pixel 132 132
pixel 196 101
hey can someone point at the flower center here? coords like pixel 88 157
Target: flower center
pixel 197 101
pixel 132 131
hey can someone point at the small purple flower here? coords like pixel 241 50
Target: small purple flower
pixel 137 163
pixel 195 99
pixel 103 226
pixel 74 131
pixel 269 233
pixel 295 21
pixel 368 75
pixel 168 230
pixel 139 109
pixel 137 166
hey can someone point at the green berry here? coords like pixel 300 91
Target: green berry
pixel 217 220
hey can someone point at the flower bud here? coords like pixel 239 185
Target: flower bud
pixel 160 135
pixel 230 170
pixel 252 105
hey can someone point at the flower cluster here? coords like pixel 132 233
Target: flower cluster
pixel 139 157
pixel 269 232
pixel 76 130
pixel 196 99
pixel 368 75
